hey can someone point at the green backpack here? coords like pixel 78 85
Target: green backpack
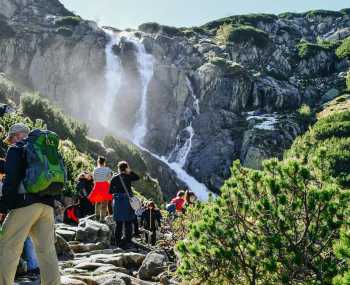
pixel 45 172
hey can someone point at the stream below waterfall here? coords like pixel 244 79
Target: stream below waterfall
pixel 178 157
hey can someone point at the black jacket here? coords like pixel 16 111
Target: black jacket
pixel 15 167
pixel 117 186
pixel 151 219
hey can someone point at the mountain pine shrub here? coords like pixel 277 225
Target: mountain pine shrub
pixel 342 251
pixel 343 51
pixel 274 226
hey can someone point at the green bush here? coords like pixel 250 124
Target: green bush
pixel 240 34
pixel 348 80
pixel 307 50
pixel 75 162
pixel 343 51
pixel 305 114
pixel 268 227
pixel 71 21
pixel 36 107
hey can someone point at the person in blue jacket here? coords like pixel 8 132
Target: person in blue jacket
pixel 123 214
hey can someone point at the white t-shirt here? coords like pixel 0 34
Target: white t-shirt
pixel 102 174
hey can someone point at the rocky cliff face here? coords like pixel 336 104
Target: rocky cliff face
pixel 248 88
pixel 220 99
pixel 49 50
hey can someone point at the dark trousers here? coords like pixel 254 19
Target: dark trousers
pixel 119 232
pixel 136 227
pixel 151 237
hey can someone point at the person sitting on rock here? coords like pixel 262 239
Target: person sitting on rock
pixel 151 221
pixel 84 187
pixel 123 214
pixel 177 204
pixel 100 195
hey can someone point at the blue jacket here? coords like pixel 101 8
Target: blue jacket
pixel 15 168
pixel 122 211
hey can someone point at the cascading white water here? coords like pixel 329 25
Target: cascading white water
pixel 113 74
pixel 181 150
pixel 178 157
pixel 146 62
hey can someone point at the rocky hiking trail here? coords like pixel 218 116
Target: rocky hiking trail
pixel 86 257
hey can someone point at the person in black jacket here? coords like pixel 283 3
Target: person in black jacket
pixel 151 221
pixel 28 214
pixel 123 214
pixel 84 188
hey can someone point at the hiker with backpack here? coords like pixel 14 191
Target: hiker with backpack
pixel 34 174
pixel 83 188
pixel 151 221
pixel 100 195
pixel 123 212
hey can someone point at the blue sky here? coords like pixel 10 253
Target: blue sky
pixel 131 13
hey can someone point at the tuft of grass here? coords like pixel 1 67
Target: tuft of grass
pixel 290 15
pixel 240 34
pixel 151 27
pixel 249 19
pixel 70 21
pixel 307 50
pixel 324 13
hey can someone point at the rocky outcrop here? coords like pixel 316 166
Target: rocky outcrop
pixel 97 263
pixel 154 264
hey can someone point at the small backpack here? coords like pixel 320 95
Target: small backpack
pixel 45 173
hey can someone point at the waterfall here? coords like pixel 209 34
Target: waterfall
pixel 113 74
pixel 145 64
pixel 181 150
pixel 178 157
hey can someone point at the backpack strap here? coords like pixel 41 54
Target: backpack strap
pixel 123 184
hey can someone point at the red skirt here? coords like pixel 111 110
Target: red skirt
pixel 100 193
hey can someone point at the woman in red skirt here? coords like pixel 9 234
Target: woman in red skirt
pixel 100 195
